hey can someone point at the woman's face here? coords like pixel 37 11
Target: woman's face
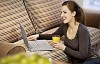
pixel 66 14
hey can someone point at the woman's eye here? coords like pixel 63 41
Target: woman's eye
pixel 64 12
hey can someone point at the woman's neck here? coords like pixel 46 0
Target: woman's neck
pixel 72 24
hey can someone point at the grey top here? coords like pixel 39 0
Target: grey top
pixel 79 47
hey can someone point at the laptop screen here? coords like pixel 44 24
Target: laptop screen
pixel 24 36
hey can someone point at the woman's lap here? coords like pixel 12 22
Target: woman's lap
pixel 93 61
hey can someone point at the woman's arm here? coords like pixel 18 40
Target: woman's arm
pixel 84 40
pixel 59 31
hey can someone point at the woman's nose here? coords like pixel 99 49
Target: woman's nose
pixel 62 14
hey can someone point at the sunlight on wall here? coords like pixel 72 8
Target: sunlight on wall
pixel 91 5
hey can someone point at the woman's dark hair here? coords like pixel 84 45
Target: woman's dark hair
pixel 73 6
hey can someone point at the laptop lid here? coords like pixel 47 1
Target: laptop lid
pixel 24 36
pixel 35 45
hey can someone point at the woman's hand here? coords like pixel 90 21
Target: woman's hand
pixel 59 45
pixel 33 37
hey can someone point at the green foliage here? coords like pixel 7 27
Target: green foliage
pixel 22 59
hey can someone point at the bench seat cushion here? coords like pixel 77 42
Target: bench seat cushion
pixel 45 13
pixel 13 12
pixel 9 49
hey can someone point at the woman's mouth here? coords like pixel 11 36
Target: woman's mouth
pixel 64 18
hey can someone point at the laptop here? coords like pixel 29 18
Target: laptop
pixel 37 45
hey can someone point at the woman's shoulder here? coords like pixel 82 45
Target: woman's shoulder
pixel 83 30
pixel 82 26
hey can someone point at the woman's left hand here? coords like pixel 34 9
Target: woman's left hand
pixel 59 45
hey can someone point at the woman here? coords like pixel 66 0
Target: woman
pixel 77 39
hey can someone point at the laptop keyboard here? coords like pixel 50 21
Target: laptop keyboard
pixel 40 45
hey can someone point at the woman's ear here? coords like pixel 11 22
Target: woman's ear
pixel 73 13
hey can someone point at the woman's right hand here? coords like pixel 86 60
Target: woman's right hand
pixel 33 37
